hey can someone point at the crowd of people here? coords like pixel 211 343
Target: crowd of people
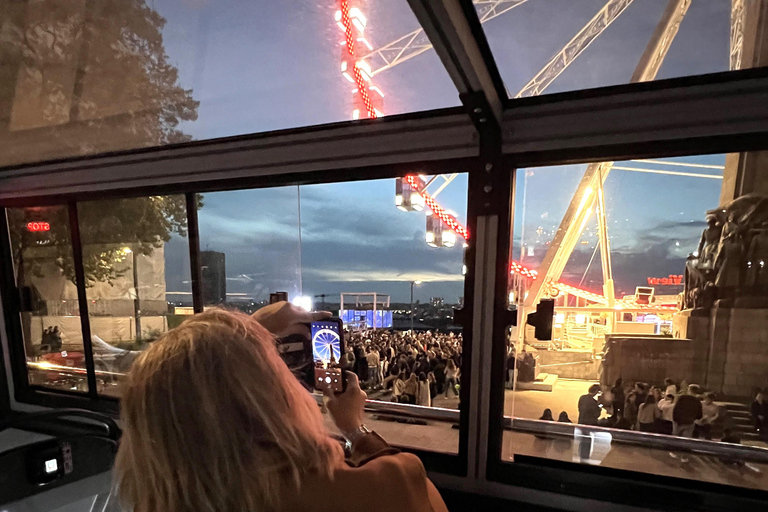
pixel 415 366
pixel 684 411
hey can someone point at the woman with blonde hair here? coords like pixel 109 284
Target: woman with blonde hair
pixel 411 388
pixel 214 420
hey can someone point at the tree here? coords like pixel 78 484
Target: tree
pixel 107 227
pixel 81 77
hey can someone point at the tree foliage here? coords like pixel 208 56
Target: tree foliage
pixel 107 228
pixel 81 77
pixel 86 76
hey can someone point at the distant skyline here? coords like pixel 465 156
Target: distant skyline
pixel 258 66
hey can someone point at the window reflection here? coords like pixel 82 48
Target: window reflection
pixel 41 249
pixel 90 77
pixel 136 262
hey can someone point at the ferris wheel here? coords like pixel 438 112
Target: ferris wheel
pixel 326 346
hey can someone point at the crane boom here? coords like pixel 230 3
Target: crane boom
pixel 415 43
pixel 583 201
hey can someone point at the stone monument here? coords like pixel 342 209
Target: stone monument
pixel 725 300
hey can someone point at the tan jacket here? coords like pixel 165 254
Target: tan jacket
pixel 377 478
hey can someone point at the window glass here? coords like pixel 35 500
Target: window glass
pixel 136 261
pixel 560 45
pixel 373 244
pixel 250 247
pixel 657 334
pixel 41 248
pixel 378 237
pixel 91 77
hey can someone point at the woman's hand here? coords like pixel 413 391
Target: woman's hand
pixel 283 319
pixel 347 408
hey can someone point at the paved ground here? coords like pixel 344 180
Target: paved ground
pixel 531 404
pixel 437 436
pixel 525 404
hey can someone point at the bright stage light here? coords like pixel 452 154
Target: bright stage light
pixel 303 301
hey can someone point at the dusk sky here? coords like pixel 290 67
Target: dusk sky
pixel 259 66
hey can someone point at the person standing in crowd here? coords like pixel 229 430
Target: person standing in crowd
pixel 372 359
pixel 666 407
pixel 509 374
pixel 451 378
pixel 410 390
pixel 629 418
pixel 589 409
pixel 423 396
pixel 670 388
pixel 710 413
pixel 440 375
pixel 563 418
pixel 618 397
pixel 432 386
pixel 361 364
pixel 686 411
pixel 641 391
pixel 657 395
pixel 398 388
pixel 348 360
pixel 759 411
pixel 648 415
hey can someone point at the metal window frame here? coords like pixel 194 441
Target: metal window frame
pixel 662 118
pixel 652 120
pixel 25 393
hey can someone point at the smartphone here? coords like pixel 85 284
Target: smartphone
pixel 327 351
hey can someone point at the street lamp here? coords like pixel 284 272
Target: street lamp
pixel 136 300
pixel 412 284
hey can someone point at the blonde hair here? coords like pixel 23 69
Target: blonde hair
pixel 215 421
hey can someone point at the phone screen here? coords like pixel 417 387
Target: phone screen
pixel 327 347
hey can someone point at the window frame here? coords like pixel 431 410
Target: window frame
pixel 739 131
pixel 453 464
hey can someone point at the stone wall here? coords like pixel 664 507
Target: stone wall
pixel 652 359
pixel 742 335
pixel 569 364
pixel 734 342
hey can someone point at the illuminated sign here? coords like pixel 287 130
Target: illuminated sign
pixel 38 226
pixel 664 281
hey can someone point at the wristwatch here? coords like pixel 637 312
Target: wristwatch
pixel 354 435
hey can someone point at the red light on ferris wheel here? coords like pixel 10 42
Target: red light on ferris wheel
pixel 438 210
pixel 38 226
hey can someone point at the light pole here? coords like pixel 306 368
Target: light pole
pixel 412 284
pixel 136 300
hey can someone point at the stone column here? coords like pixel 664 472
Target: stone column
pixel 742 170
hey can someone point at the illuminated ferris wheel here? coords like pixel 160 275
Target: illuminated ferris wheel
pixel 326 346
